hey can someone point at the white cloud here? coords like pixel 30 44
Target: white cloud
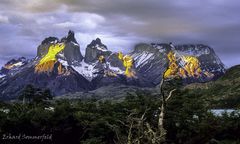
pixel 89 20
pixel 114 43
pixel 45 20
pixel 4 19
pixel 120 24
pixel 67 24
pixel 86 21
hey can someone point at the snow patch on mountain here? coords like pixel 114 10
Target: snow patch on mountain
pixel 18 64
pixel 89 71
pixel 63 62
pixel 195 51
pixel 117 70
pixel 61 55
pixel 101 48
pixel 159 47
pixel 2 75
pixel 142 58
pixel 76 44
pixel 86 70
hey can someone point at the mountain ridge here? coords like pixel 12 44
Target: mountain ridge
pixel 64 69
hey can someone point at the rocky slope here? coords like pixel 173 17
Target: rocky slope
pixel 224 93
pixel 13 66
pixel 50 69
pixel 151 60
pixel 60 66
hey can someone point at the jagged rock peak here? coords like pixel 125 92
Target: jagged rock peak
pixel 13 65
pixel 20 59
pixel 197 48
pixel 70 37
pixel 96 42
pixel 95 49
pixel 50 40
pixel 143 47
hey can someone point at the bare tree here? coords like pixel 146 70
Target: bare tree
pixel 159 135
pixel 162 130
pixel 144 131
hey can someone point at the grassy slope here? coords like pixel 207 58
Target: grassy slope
pixel 222 93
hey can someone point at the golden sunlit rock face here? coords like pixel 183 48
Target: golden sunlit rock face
pixel 127 63
pixel 182 66
pixel 46 64
pixel 101 59
pixel 61 69
pixel 9 66
pixel 12 65
pixel 109 74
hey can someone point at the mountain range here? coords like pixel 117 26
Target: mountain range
pixel 60 67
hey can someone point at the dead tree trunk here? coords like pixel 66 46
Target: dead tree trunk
pixel 162 130
pixel 144 129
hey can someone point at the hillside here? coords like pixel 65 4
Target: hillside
pixel 189 119
pixel 223 93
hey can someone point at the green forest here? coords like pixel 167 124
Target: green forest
pixel 134 120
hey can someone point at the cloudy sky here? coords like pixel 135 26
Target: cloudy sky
pixel 120 24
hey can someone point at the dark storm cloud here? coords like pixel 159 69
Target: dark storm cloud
pixel 121 24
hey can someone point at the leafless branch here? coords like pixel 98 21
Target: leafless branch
pixel 130 134
pixel 170 94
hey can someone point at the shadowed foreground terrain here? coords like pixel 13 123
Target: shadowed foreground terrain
pixel 189 118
